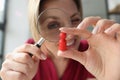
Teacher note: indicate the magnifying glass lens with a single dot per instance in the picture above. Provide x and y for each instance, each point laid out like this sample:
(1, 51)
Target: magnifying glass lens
(49, 22)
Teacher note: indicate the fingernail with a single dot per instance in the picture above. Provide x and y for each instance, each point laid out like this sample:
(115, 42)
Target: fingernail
(95, 30)
(43, 57)
(59, 53)
(63, 29)
(80, 26)
(60, 28)
(108, 30)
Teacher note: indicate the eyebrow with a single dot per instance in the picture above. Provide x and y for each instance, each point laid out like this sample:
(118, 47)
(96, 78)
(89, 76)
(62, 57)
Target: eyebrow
(53, 17)
(50, 17)
(75, 14)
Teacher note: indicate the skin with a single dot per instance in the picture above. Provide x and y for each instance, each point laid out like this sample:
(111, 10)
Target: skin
(103, 56)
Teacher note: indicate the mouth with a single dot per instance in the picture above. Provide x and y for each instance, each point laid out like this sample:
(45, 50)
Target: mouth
(70, 43)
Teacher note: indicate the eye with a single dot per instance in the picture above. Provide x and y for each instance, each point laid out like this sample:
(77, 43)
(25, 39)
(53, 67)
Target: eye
(53, 25)
(75, 21)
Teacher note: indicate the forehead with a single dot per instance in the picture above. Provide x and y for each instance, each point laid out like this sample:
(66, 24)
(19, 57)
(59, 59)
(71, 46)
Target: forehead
(68, 6)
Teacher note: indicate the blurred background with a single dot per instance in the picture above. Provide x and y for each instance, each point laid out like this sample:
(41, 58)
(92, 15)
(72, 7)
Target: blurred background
(14, 25)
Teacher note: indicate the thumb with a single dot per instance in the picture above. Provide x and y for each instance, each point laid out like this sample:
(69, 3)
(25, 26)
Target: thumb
(73, 54)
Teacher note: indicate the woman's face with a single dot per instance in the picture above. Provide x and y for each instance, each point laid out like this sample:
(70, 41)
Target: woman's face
(70, 8)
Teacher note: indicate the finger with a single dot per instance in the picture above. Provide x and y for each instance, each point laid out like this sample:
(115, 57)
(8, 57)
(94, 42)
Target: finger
(15, 66)
(73, 54)
(28, 48)
(113, 30)
(12, 75)
(103, 24)
(21, 58)
(118, 36)
(74, 31)
(89, 21)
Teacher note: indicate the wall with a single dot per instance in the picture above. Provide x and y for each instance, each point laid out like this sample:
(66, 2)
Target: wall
(94, 8)
(17, 28)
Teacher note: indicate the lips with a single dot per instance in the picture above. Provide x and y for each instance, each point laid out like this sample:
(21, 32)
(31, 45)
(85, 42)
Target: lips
(70, 43)
(70, 40)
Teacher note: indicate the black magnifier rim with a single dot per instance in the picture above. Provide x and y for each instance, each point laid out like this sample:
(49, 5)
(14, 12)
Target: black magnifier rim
(39, 18)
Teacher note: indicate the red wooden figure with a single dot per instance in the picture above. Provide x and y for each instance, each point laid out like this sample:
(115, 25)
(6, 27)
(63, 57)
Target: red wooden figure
(62, 42)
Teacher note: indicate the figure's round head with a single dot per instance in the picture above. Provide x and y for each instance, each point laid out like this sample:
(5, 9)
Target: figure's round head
(65, 13)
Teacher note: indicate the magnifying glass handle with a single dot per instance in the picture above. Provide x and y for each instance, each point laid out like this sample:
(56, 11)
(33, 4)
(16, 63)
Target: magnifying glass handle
(38, 44)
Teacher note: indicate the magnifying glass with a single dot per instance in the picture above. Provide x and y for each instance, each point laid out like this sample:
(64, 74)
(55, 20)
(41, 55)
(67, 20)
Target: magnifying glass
(48, 24)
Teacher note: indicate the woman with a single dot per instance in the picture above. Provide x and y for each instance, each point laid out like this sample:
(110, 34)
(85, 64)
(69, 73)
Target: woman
(46, 64)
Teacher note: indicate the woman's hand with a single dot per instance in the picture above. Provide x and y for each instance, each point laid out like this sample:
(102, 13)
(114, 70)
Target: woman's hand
(103, 56)
(19, 65)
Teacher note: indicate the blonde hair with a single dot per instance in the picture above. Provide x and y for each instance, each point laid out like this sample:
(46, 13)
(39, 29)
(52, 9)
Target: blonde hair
(34, 11)
(33, 14)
